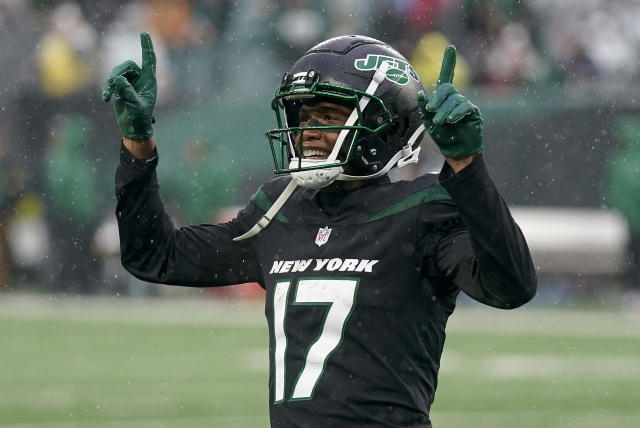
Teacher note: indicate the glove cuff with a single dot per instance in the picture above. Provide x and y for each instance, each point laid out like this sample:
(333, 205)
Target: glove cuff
(458, 153)
(138, 128)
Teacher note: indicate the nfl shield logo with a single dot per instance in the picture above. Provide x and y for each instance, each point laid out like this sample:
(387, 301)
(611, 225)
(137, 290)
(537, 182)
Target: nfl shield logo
(323, 236)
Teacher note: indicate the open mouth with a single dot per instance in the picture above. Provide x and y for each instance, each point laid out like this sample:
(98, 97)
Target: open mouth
(315, 154)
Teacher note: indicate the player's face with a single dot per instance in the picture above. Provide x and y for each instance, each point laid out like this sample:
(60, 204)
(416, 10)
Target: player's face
(318, 144)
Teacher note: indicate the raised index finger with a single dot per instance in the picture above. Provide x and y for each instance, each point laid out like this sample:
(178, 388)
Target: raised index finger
(448, 64)
(148, 54)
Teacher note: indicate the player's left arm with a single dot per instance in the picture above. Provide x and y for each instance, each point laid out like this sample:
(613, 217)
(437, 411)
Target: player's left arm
(487, 255)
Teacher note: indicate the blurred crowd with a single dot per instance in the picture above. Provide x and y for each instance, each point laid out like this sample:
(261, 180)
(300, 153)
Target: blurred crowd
(218, 64)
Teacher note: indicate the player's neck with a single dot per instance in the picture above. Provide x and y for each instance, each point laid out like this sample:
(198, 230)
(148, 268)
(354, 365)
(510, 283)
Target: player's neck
(343, 186)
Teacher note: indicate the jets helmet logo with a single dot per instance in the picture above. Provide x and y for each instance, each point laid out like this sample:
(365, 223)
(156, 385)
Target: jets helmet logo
(399, 71)
(323, 236)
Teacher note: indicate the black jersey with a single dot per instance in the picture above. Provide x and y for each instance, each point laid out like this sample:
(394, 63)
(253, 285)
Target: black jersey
(359, 284)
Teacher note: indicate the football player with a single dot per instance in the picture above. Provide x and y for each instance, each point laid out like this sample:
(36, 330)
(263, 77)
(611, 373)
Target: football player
(360, 273)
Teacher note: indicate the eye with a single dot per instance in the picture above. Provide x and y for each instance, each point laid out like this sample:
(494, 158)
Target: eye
(328, 118)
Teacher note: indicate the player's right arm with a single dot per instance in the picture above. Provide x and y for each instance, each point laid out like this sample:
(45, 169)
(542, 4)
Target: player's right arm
(154, 250)
(151, 247)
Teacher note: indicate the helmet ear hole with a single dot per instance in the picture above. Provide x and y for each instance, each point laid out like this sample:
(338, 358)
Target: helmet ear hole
(405, 127)
(390, 133)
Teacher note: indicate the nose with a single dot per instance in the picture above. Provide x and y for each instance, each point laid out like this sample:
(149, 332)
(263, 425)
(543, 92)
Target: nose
(311, 134)
(308, 135)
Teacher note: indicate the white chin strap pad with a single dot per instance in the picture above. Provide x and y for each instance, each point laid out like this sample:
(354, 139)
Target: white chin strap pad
(314, 178)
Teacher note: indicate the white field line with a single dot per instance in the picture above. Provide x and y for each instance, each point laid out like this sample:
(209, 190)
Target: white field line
(544, 322)
(596, 417)
(256, 360)
(509, 366)
(169, 422)
(197, 310)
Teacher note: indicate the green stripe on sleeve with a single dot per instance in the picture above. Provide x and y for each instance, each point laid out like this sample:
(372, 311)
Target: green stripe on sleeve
(418, 198)
(262, 201)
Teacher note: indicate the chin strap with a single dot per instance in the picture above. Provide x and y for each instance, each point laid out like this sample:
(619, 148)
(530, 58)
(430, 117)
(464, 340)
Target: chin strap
(410, 155)
(268, 216)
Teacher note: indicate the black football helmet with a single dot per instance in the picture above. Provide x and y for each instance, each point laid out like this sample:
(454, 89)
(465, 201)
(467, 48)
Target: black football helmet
(384, 129)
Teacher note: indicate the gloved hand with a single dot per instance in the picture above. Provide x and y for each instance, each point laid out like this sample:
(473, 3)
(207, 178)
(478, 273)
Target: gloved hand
(453, 122)
(135, 89)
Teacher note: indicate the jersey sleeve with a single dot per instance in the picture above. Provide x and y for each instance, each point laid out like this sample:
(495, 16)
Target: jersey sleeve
(154, 250)
(483, 251)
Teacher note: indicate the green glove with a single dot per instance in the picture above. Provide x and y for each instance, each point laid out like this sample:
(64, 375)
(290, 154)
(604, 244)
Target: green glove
(135, 89)
(453, 122)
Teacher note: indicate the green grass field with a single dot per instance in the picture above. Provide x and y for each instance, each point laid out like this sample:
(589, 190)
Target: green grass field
(195, 362)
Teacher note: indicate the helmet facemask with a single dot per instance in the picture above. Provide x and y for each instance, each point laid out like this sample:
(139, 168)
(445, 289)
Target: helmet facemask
(286, 140)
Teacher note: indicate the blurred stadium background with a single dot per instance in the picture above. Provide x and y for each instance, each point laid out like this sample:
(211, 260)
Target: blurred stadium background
(83, 343)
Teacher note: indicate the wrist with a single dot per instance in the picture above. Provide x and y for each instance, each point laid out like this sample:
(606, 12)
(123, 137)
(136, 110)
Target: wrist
(141, 149)
(457, 164)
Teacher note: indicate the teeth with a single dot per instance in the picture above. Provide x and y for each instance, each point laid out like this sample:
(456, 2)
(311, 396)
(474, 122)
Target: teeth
(315, 153)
